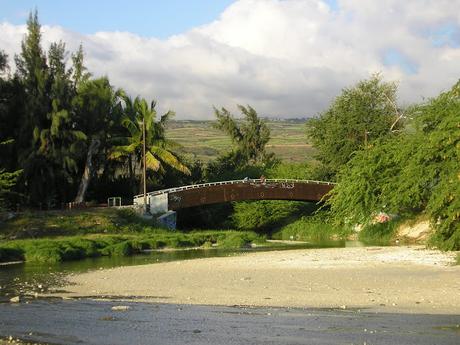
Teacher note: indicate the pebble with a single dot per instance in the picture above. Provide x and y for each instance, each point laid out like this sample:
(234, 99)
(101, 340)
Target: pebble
(15, 299)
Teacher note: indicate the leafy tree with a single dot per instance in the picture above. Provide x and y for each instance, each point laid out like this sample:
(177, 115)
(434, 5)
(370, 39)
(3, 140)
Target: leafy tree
(249, 136)
(98, 111)
(159, 150)
(3, 62)
(49, 140)
(409, 173)
(60, 139)
(440, 121)
(356, 118)
(11, 109)
(32, 71)
(248, 156)
(7, 179)
(265, 215)
(32, 74)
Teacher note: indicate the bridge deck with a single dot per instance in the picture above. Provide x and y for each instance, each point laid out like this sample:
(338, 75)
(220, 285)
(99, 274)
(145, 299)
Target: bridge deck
(236, 190)
(220, 183)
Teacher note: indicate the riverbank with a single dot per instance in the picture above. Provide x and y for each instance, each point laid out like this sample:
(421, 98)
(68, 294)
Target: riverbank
(389, 279)
(56, 236)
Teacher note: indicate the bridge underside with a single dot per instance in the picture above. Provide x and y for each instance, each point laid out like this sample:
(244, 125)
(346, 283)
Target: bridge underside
(247, 191)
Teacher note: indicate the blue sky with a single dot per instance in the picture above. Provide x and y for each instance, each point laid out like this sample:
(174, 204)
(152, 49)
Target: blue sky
(146, 18)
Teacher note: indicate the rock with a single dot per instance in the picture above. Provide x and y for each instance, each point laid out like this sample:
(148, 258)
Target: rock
(15, 299)
(121, 307)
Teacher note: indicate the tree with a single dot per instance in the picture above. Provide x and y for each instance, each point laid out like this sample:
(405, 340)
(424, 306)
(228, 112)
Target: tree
(159, 150)
(249, 136)
(48, 139)
(98, 108)
(409, 173)
(7, 179)
(356, 118)
(60, 140)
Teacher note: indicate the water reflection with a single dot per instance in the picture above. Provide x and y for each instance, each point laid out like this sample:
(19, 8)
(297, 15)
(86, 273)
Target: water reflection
(29, 278)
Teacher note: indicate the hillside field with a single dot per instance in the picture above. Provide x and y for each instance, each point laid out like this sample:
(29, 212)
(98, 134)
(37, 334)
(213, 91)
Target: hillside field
(199, 140)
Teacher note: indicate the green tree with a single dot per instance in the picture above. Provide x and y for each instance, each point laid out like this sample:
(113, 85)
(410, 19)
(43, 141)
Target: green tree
(412, 172)
(159, 149)
(60, 140)
(98, 110)
(48, 141)
(356, 118)
(249, 137)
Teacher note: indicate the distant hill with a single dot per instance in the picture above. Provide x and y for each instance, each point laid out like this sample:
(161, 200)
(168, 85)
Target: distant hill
(201, 141)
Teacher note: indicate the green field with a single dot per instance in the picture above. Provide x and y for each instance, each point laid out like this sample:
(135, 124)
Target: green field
(201, 141)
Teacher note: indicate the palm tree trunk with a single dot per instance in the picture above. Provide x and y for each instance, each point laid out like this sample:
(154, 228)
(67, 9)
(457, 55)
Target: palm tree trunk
(88, 172)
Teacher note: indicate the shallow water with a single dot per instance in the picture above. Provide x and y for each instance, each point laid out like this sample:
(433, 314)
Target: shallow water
(29, 278)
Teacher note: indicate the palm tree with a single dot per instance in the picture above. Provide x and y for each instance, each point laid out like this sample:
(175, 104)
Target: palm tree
(159, 150)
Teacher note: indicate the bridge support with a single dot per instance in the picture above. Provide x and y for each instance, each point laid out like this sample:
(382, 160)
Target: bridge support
(158, 203)
(169, 219)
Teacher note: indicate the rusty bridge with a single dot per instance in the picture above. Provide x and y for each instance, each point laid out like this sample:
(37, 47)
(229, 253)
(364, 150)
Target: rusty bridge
(173, 199)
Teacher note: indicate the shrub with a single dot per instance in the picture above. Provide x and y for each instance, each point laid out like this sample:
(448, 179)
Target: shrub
(313, 228)
(11, 254)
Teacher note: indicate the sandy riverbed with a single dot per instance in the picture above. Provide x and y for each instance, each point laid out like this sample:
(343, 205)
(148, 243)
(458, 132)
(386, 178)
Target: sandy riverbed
(392, 279)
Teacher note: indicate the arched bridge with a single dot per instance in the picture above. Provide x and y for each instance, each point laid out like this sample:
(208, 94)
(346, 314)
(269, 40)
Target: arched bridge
(237, 190)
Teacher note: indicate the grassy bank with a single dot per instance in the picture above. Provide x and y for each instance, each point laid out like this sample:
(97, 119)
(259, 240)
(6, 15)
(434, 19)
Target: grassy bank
(309, 229)
(80, 247)
(62, 236)
(73, 223)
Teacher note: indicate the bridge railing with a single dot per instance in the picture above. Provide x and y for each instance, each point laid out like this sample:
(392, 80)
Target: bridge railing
(209, 184)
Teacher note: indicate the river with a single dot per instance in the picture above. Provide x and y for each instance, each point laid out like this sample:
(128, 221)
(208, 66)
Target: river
(31, 278)
(86, 321)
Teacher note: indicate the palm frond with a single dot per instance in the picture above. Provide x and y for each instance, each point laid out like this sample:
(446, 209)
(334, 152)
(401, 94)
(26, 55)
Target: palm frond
(170, 159)
(151, 162)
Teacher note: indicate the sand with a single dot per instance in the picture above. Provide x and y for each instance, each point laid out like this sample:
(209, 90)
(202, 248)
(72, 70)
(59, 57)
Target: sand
(384, 279)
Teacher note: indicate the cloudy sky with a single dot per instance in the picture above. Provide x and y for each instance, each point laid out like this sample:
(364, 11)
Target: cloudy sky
(286, 58)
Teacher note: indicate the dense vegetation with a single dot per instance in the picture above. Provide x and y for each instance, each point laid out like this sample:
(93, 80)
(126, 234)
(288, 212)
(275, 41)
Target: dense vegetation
(408, 172)
(403, 169)
(69, 137)
(66, 136)
(54, 236)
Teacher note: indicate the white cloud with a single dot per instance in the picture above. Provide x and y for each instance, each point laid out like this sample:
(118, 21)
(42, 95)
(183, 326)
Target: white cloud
(284, 57)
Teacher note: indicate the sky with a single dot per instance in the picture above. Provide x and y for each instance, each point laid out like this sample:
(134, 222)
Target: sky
(285, 58)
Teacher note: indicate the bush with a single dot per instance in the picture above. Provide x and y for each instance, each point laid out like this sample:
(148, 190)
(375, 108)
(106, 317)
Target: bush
(408, 173)
(314, 228)
(239, 240)
(48, 252)
(119, 249)
(264, 215)
(379, 233)
(11, 254)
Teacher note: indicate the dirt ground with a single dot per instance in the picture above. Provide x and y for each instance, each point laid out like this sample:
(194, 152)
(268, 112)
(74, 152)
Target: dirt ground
(407, 279)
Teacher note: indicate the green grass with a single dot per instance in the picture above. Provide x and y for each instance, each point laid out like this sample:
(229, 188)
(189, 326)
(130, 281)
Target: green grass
(379, 233)
(62, 236)
(198, 138)
(73, 223)
(79, 247)
(309, 229)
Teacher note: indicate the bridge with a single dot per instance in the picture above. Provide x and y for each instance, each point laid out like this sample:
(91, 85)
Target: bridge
(173, 199)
